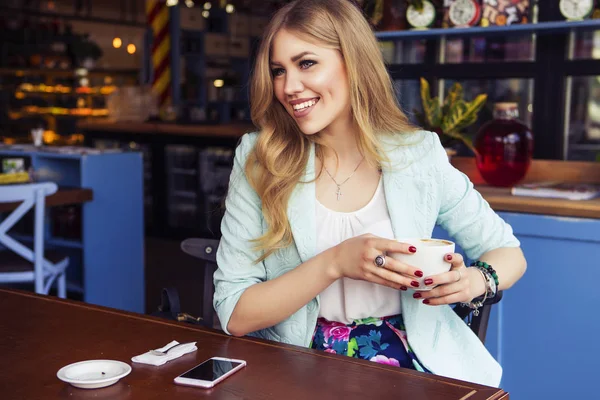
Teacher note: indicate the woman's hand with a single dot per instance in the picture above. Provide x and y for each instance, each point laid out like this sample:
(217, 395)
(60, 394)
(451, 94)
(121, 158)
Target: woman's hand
(460, 284)
(355, 259)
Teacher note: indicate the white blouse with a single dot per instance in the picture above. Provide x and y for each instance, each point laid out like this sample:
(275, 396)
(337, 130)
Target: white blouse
(347, 299)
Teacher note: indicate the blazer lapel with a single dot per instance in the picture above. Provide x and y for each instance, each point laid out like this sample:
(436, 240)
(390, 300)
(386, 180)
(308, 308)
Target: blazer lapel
(397, 197)
(301, 211)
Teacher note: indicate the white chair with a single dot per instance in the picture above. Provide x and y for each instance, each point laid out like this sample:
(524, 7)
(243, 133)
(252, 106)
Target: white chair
(21, 264)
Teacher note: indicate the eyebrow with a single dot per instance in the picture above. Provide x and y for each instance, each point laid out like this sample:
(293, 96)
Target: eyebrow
(295, 58)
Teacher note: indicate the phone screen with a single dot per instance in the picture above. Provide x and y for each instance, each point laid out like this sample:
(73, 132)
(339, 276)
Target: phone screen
(210, 370)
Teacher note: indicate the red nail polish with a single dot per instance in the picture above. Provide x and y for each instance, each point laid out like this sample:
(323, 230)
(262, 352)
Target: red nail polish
(412, 249)
(426, 301)
(403, 288)
(414, 284)
(419, 274)
(417, 295)
(428, 281)
(449, 257)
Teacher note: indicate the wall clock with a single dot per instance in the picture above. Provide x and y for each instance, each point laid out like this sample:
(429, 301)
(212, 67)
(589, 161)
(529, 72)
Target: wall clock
(423, 18)
(576, 9)
(464, 13)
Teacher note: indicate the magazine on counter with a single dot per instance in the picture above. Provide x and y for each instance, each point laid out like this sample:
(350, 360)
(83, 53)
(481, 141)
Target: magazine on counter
(559, 190)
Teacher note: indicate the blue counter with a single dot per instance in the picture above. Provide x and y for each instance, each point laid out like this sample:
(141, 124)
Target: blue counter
(107, 261)
(543, 331)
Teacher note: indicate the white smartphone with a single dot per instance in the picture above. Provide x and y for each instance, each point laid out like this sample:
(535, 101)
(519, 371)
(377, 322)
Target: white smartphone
(210, 372)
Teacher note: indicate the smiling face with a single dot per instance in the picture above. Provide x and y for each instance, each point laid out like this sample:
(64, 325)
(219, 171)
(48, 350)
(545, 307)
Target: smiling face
(310, 82)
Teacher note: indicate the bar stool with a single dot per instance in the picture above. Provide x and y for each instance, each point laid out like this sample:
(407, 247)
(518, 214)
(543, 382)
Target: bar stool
(19, 263)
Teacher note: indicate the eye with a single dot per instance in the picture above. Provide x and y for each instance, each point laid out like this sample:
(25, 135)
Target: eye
(305, 64)
(277, 72)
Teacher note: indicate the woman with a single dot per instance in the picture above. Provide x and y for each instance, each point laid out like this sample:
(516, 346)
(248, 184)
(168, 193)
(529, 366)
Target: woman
(318, 195)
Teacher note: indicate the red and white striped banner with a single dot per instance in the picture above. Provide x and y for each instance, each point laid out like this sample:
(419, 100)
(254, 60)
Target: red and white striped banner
(157, 14)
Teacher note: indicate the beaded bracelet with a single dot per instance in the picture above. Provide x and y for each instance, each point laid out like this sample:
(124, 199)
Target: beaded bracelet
(492, 271)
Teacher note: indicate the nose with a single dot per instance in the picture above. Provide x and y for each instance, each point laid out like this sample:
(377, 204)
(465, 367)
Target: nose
(293, 84)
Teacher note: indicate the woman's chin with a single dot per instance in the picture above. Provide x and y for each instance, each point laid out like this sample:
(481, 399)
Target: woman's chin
(309, 128)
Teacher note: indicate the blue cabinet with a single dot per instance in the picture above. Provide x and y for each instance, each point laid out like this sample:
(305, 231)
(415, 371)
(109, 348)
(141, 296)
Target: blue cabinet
(107, 255)
(543, 332)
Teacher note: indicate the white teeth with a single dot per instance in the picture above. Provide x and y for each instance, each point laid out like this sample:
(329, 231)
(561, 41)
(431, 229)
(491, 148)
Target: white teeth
(302, 106)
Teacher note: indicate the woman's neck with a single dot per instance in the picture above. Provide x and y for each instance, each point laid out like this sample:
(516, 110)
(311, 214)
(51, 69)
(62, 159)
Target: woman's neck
(340, 139)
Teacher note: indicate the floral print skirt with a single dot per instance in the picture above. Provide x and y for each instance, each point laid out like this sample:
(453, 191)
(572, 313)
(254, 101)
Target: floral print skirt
(382, 340)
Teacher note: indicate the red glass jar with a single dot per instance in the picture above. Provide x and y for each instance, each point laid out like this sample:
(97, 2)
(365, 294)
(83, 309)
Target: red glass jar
(504, 147)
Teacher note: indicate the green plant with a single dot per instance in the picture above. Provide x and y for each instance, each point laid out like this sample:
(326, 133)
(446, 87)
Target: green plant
(450, 118)
(418, 4)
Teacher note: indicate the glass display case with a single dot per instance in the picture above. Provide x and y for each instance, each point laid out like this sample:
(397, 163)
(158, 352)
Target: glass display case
(197, 182)
(549, 67)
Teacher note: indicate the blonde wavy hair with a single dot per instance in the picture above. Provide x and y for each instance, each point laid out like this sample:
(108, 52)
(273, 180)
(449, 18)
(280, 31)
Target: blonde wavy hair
(280, 156)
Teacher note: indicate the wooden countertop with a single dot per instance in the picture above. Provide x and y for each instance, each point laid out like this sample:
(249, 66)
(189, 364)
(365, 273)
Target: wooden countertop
(161, 128)
(62, 197)
(501, 199)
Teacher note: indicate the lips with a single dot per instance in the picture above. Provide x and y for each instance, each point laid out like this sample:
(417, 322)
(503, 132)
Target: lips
(309, 105)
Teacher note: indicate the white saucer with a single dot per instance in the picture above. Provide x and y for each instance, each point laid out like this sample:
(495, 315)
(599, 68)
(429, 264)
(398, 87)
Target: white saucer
(93, 374)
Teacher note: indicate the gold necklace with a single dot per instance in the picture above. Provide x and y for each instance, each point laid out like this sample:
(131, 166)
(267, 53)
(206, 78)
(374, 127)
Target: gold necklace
(339, 185)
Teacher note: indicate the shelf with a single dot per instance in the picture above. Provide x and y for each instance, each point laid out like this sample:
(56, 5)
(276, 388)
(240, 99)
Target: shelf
(69, 73)
(62, 197)
(520, 29)
(53, 152)
(29, 12)
(16, 115)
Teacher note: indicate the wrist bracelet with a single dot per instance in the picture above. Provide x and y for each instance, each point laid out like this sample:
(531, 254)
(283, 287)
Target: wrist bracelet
(488, 267)
(475, 304)
(491, 286)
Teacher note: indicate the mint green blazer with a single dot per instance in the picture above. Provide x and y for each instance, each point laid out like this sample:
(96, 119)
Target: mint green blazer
(422, 189)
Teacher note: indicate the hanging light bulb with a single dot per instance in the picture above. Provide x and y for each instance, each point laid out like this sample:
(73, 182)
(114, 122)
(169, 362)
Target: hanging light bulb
(172, 3)
(131, 48)
(207, 5)
(189, 3)
(206, 14)
(218, 83)
(117, 42)
(229, 8)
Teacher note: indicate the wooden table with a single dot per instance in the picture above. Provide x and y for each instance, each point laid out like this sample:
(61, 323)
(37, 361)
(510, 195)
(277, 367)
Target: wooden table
(41, 334)
(62, 196)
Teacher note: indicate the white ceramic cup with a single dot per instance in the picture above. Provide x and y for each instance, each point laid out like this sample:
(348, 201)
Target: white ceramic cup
(429, 258)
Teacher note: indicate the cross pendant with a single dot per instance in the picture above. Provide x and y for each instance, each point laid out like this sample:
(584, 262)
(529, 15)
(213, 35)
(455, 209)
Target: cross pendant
(339, 193)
